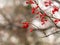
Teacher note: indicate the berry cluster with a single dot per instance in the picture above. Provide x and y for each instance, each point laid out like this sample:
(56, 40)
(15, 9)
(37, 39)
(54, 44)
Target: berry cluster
(41, 13)
(42, 16)
(55, 9)
(25, 25)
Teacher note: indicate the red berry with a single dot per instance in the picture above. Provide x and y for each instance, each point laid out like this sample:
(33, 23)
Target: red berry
(47, 3)
(33, 10)
(56, 21)
(25, 24)
(29, 2)
(31, 30)
(55, 9)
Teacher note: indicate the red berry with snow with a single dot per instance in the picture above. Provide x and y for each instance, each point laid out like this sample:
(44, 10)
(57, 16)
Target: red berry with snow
(55, 9)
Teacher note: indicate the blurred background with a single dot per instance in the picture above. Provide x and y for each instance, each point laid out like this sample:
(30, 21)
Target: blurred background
(13, 13)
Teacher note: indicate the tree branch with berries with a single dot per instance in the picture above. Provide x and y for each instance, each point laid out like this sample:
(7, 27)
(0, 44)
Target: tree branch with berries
(37, 10)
